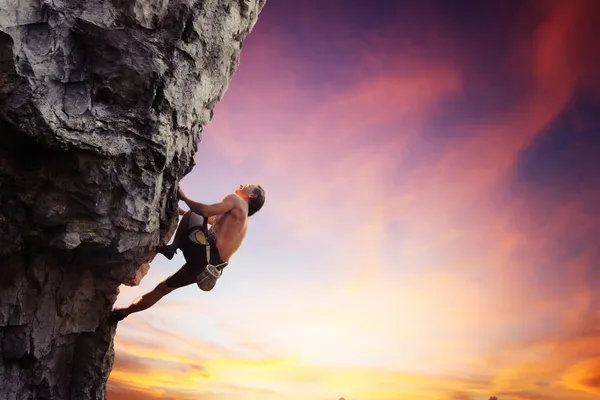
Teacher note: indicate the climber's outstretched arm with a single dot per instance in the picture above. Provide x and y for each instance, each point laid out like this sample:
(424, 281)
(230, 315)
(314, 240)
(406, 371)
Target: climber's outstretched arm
(209, 210)
(182, 212)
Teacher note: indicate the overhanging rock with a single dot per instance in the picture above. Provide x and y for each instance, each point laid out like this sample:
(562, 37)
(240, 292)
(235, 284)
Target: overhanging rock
(102, 106)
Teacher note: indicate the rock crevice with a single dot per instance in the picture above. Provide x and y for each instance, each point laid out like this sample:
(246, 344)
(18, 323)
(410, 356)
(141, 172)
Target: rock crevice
(102, 107)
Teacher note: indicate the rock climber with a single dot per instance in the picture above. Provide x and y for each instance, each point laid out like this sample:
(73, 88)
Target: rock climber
(206, 251)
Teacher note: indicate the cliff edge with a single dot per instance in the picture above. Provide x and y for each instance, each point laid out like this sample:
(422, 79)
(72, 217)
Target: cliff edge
(102, 106)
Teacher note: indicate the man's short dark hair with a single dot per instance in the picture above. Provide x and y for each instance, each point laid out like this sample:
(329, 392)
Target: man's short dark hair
(256, 203)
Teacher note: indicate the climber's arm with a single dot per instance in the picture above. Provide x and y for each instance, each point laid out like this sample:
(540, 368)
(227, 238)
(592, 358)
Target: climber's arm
(210, 210)
(211, 220)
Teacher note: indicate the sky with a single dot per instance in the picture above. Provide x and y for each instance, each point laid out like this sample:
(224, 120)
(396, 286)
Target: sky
(431, 227)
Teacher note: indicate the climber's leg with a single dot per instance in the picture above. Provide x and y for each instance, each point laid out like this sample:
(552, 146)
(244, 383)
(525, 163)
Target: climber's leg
(149, 299)
(182, 230)
(142, 303)
(186, 275)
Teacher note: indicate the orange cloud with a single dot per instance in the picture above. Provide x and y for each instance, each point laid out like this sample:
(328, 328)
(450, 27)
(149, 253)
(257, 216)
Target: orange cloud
(553, 368)
(584, 376)
(116, 392)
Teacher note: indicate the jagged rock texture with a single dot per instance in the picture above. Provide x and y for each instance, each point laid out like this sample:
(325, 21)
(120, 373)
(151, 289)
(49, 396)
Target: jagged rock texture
(102, 106)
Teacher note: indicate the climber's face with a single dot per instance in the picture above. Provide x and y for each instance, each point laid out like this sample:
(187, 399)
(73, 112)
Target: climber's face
(246, 191)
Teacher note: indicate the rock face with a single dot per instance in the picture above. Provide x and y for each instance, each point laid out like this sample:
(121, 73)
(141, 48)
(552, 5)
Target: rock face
(102, 106)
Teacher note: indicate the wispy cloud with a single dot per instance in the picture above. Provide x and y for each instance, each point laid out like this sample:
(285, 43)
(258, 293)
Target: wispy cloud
(509, 376)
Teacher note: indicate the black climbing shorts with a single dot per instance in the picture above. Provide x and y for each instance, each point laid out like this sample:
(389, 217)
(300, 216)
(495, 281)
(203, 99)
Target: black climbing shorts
(195, 257)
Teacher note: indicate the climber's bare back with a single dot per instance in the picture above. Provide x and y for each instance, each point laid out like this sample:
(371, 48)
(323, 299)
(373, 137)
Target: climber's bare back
(231, 227)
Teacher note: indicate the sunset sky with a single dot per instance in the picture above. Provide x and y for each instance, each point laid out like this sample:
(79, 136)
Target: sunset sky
(431, 228)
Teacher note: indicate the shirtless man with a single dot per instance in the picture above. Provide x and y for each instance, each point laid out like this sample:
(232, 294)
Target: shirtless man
(229, 223)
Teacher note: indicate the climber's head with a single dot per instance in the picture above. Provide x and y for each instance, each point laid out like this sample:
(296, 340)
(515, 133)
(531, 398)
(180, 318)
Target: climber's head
(254, 195)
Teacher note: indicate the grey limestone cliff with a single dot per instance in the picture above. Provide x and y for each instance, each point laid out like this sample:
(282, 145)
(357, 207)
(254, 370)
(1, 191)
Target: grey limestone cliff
(102, 107)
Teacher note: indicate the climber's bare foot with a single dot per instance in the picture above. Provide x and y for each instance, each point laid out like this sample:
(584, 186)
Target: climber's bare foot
(118, 314)
(166, 251)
